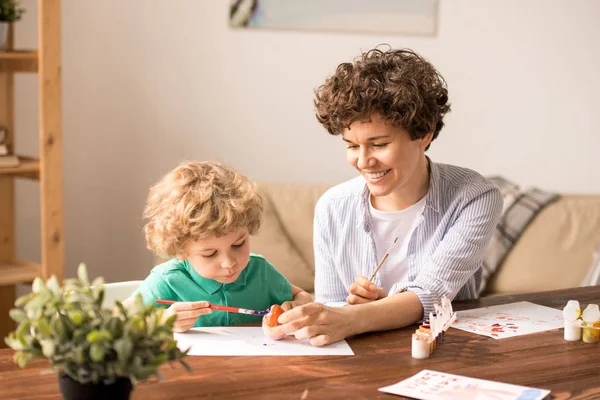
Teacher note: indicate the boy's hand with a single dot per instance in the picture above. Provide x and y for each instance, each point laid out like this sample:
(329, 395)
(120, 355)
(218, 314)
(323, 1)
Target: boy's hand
(187, 313)
(299, 297)
(364, 291)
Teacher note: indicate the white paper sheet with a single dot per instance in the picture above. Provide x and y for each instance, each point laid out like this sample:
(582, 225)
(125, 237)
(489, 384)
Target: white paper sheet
(251, 341)
(431, 385)
(509, 320)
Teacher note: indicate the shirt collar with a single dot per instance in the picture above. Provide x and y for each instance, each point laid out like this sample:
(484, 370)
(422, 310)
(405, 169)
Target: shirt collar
(433, 194)
(210, 285)
(432, 197)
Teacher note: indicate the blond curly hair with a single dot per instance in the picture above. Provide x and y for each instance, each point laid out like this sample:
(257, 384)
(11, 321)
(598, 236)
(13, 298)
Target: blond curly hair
(197, 200)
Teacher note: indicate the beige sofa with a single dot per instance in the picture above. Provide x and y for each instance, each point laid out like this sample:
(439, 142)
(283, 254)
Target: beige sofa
(554, 252)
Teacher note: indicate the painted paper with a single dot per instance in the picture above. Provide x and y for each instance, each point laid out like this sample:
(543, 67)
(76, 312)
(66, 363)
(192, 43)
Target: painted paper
(251, 341)
(509, 320)
(431, 385)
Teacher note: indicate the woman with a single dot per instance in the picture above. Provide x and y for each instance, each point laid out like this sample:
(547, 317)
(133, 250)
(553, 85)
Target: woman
(388, 106)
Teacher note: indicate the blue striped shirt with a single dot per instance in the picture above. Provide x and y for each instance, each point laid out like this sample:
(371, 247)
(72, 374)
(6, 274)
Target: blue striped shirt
(445, 250)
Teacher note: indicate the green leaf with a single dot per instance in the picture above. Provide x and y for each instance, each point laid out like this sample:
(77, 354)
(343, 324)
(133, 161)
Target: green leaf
(17, 315)
(76, 316)
(21, 301)
(144, 372)
(97, 352)
(53, 285)
(22, 358)
(123, 347)
(43, 327)
(186, 366)
(22, 328)
(115, 326)
(83, 275)
(159, 360)
(12, 342)
(36, 287)
(58, 327)
(98, 291)
(79, 355)
(94, 336)
(48, 348)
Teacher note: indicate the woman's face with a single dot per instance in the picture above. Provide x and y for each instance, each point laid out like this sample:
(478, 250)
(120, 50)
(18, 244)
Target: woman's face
(392, 164)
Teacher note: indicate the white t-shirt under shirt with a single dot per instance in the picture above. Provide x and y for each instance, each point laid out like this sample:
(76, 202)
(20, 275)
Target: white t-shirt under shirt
(386, 227)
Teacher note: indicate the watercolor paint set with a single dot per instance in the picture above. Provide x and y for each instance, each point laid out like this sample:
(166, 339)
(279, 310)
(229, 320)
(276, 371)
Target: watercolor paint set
(426, 337)
(579, 325)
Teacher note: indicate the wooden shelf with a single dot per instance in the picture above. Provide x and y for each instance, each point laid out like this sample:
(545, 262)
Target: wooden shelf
(19, 272)
(29, 167)
(47, 168)
(19, 61)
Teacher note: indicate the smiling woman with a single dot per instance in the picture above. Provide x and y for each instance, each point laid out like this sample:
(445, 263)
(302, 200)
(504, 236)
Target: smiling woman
(389, 106)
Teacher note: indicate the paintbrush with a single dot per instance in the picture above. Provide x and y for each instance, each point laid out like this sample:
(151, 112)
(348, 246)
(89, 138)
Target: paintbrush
(225, 308)
(385, 256)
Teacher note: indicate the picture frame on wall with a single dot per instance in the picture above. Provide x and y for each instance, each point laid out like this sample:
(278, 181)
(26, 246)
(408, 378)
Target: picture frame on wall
(400, 17)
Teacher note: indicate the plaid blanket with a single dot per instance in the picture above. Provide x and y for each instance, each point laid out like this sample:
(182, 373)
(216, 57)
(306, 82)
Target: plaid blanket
(519, 209)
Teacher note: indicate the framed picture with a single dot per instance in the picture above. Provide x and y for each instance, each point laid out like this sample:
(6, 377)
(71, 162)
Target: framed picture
(402, 17)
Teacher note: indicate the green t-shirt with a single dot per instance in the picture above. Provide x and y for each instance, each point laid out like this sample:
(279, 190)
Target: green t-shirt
(258, 287)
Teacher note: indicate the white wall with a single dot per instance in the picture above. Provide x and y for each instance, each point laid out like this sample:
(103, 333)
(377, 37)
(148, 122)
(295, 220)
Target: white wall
(147, 83)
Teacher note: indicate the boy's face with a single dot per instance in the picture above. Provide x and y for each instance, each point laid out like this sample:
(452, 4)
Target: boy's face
(220, 258)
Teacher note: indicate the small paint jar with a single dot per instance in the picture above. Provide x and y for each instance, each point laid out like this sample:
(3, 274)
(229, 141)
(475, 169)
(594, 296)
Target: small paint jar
(420, 346)
(572, 331)
(426, 329)
(591, 335)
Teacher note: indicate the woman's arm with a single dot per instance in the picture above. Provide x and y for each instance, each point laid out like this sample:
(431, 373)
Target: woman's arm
(460, 253)
(325, 325)
(328, 286)
(457, 258)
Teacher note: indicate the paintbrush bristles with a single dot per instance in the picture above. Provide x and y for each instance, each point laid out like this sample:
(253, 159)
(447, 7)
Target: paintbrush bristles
(385, 256)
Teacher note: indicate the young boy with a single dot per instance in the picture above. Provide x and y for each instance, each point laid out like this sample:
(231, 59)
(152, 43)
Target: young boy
(201, 215)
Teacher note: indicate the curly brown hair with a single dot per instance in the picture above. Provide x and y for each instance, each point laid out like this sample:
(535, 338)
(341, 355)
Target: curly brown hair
(197, 200)
(399, 85)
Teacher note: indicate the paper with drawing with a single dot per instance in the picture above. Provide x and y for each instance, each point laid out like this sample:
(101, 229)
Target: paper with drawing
(431, 385)
(251, 341)
(509, 320)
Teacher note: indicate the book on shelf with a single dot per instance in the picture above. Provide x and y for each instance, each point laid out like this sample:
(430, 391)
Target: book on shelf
(9, 161)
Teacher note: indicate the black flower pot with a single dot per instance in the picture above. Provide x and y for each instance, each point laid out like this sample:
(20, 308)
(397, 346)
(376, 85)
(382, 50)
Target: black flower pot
(72, 390)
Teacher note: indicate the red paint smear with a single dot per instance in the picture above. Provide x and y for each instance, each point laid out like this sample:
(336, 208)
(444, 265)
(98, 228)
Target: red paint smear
(497, 330)
(496, 325)
(494, 334)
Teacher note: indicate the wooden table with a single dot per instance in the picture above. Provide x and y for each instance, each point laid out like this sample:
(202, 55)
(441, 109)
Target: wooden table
(543, 360)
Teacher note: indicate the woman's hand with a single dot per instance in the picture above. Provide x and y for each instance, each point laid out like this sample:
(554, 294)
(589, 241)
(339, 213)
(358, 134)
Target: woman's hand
(321, 324)
(364, 291)
(187, 313)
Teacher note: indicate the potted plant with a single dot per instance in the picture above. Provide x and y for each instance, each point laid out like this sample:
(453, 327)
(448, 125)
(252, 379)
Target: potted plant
(97, 352)
(10, 11)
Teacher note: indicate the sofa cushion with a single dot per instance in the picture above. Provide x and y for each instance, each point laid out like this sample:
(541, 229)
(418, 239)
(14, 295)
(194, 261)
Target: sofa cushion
(285, 236)
(522, 208)
(555, 251)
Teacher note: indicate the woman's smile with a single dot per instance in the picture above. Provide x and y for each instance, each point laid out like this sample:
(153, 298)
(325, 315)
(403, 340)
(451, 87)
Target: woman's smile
(375, 176)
